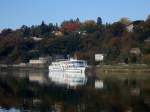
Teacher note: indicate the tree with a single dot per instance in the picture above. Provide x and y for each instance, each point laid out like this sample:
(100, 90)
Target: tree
(125, 21)
(90, 26)
(148, 18)
(78, 20)
(99, 21)
(117, 29)
(70, 26)
(26, 31)
(146, 59)
(44, 28)
(5, 32)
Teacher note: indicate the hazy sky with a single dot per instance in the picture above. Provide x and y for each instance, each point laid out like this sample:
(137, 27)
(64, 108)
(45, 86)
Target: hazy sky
(14, 13)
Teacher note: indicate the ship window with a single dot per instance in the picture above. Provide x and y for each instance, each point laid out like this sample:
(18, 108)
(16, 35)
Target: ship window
(79, 64)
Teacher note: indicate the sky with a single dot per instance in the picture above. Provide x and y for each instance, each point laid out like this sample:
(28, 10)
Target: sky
(15, 13)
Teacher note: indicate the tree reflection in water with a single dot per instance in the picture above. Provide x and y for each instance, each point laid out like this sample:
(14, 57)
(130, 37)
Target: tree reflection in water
(117, 95)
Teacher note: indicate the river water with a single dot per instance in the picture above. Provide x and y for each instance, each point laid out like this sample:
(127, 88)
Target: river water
(41, 91)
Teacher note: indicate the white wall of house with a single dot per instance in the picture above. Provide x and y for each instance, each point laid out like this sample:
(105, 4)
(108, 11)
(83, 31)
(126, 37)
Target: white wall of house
(36, 62)
(99, 57)
(41, 60)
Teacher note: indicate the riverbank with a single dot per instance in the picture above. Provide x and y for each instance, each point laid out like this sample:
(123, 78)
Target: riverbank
(24, 66)
(125, 69)
(99, 69)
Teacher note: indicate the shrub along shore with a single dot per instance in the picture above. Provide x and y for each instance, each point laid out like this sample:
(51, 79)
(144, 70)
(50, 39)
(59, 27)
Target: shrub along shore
(133, 68)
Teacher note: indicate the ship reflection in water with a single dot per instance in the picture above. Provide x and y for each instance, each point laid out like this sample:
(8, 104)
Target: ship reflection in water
(69, 79)
(42, 91)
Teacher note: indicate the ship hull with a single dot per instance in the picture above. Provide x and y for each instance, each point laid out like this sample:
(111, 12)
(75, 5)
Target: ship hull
(68, 70)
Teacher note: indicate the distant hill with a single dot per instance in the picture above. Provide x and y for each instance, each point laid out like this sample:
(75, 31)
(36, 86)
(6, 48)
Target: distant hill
(82, 39)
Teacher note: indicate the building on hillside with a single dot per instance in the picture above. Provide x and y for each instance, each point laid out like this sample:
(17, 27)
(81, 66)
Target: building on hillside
(41, 60)
(130, 27)
(36, 38)
(135, 51)
(99, 57)
(58, 33)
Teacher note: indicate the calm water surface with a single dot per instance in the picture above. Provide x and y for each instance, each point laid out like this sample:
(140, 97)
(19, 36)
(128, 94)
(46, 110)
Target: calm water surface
(39, 90)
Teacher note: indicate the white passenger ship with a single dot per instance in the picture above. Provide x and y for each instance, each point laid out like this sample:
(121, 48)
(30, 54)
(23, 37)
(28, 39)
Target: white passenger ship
(71, 66)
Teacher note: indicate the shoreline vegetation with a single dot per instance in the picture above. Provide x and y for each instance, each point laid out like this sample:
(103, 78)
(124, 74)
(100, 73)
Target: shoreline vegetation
(98, 69)
(123, 69)
(25, 66)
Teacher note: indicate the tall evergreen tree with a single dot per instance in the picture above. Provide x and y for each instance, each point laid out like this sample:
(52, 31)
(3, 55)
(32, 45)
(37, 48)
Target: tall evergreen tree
(99, 21)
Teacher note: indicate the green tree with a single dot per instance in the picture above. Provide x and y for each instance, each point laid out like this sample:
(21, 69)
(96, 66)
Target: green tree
(125, 21)
(99, 21)
(90, 26)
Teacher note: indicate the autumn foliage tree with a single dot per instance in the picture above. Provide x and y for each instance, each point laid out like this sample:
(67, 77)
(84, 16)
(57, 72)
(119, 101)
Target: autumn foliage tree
(84, 38)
